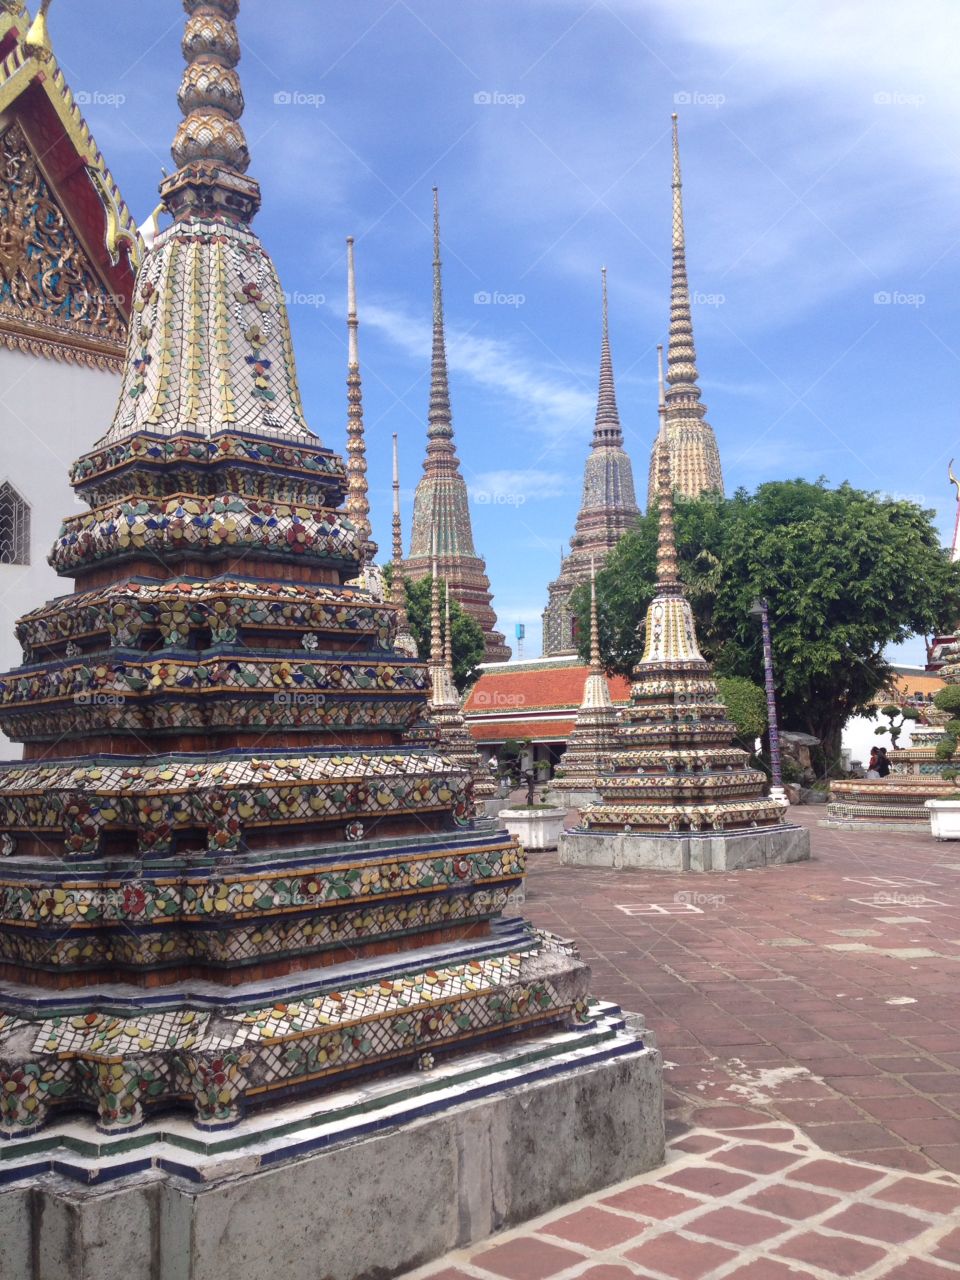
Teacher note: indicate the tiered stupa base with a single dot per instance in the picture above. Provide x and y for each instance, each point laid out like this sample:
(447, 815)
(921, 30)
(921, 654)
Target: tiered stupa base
(738, 850)
(880, 803)
(401, 1168)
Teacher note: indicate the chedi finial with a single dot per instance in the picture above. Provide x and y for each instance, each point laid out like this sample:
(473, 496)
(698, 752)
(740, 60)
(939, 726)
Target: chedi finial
(210, 148)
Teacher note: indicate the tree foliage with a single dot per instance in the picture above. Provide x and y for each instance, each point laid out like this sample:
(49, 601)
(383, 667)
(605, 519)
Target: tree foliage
(746, 705)
(468, 646)
(845, 572)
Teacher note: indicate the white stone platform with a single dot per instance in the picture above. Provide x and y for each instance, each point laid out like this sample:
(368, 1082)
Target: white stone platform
(686, 851)
(366, 1182)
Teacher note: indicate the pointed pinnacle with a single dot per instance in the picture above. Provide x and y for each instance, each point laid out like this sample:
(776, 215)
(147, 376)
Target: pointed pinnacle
(595, 664)
(607, 428)
(439, 416)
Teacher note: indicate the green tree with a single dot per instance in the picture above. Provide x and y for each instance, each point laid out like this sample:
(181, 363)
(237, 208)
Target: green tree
(467, 633)
(746, 704)
(845, 572)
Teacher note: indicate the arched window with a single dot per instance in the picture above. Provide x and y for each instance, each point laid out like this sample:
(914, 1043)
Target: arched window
(14, 527)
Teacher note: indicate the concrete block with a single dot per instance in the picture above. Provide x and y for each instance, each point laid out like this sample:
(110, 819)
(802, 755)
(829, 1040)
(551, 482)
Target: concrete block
(707, 851)
(16, 1212)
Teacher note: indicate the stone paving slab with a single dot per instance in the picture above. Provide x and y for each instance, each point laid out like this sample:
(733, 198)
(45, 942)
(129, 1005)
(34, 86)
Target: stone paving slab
(809, 1018)
(754, 1208)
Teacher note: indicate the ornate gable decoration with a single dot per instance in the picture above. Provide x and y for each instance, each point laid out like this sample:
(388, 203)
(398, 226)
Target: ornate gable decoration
(52, 301)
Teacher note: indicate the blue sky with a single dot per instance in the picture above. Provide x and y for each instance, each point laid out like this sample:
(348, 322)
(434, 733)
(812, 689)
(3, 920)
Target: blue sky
(821, 158)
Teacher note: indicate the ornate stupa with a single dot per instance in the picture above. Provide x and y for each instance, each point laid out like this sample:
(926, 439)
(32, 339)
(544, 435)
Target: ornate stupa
(678, 794)
(608, 505)
(594, 734)
(228, 881)
(440, 505)
(694, 456)
(453, 737)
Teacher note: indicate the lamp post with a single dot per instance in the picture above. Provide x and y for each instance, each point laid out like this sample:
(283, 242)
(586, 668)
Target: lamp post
(761, 610)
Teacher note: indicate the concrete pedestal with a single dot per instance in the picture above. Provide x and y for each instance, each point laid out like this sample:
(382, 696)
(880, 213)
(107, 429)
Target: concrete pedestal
(686, 851)
(443, 1159)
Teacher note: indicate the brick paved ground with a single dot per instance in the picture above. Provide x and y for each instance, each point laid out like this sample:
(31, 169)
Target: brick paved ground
(809, 1018)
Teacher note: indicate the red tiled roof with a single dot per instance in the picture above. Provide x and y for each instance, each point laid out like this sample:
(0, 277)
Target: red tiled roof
(499, 730)
(553, 688)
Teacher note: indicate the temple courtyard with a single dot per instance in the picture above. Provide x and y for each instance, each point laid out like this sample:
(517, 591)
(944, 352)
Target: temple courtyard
(809, 1019)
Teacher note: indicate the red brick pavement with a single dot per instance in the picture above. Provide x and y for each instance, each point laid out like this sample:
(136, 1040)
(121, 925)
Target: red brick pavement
(809, 1018)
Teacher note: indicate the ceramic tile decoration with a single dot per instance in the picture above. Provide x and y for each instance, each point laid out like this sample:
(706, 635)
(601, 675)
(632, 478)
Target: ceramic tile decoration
(231, 872)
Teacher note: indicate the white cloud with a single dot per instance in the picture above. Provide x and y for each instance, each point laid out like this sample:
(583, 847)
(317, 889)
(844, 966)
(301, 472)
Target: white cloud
(545, 402)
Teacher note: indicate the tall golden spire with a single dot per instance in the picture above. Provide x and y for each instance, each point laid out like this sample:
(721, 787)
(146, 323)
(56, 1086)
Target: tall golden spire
(439, 417)
(595, 664)
(210, 148)
(436, 637)
(661, 398)
(403, 641)
(607, 429)
(357, 504)
(668, 579)
(447, 633)
(695, 459)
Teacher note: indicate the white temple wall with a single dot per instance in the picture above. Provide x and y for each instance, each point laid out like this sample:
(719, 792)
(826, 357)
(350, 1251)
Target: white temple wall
(50, 413)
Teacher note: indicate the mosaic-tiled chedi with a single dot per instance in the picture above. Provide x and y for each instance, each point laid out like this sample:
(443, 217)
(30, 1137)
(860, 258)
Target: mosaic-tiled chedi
(675, 768)
(694, 456)
(441, 512)
(594, 734)
(228, 877)
(608, 506)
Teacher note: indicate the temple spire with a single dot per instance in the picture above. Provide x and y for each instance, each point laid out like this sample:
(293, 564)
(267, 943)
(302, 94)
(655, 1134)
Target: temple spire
(668, 579)
(695, 459)
(357, 503)
(595, 665)
(404, 641)
(607, 428)
(210, 148)
(681, 355)
(436, 638)
(439, 417)
(661, 398)
(447, 633)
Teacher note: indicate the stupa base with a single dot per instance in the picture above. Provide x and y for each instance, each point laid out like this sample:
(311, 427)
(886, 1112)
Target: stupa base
(574, 797)
(688, 850)
(368, 1181)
